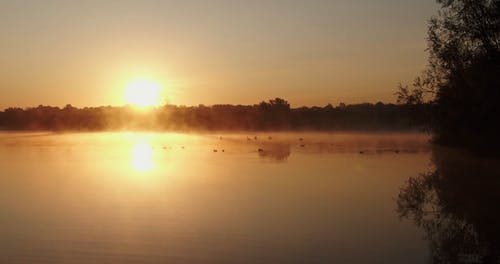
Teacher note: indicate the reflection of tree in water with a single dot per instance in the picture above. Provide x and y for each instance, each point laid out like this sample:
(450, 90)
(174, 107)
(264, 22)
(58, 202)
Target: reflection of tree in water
(457, 207)
(276, 151)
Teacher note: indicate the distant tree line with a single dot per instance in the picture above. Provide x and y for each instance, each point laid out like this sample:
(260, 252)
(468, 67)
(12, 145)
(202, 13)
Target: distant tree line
(274, 114)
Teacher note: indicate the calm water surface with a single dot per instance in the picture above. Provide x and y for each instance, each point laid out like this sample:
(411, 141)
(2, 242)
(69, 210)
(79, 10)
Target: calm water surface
(208, 198)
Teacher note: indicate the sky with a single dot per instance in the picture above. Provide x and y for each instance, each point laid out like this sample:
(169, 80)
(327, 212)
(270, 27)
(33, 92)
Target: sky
(86, 53)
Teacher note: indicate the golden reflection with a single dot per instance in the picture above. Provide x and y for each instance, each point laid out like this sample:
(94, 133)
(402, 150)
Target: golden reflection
(142, 157)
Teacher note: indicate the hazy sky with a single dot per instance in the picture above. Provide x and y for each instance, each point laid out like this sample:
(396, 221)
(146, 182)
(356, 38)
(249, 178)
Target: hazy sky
(241, 52)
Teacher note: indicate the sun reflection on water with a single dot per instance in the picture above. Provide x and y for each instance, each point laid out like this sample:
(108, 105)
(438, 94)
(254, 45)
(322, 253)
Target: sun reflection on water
(142, 157)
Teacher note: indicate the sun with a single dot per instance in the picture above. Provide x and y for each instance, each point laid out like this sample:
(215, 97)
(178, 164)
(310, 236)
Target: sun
(143, 93)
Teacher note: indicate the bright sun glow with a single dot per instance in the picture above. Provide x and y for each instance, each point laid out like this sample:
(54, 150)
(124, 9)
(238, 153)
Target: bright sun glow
(143, 93)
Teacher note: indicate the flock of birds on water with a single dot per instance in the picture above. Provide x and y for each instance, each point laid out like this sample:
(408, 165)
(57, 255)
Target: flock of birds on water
(300, 139)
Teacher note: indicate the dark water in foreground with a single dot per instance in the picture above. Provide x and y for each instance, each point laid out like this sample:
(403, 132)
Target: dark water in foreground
(192, 198)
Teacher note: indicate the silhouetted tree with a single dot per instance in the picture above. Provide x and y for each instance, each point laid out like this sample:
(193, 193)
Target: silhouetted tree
(274, 114)
(462, 81)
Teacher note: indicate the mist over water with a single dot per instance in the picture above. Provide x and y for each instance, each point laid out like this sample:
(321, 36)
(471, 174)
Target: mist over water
(198, 198)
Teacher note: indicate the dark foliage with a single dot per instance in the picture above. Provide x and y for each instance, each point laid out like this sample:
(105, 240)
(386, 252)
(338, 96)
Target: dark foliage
(275, 114)
(462, 81)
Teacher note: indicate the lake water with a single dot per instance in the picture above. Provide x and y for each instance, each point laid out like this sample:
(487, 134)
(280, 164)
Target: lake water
(208, 198)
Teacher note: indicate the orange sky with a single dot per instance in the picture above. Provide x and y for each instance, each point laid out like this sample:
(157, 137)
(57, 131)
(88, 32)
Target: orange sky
(309, 52)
